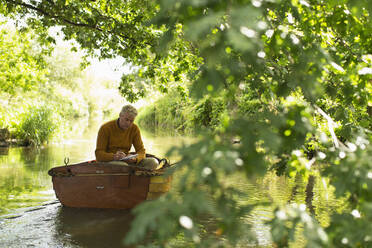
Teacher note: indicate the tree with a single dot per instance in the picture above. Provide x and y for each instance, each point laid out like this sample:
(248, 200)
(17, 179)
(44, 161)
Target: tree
(307, 64)
(109, 29)
(19, 63)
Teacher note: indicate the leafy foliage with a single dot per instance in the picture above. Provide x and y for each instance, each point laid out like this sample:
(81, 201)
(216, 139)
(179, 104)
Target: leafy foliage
(37, 126)
(174, 113)
(296, 215)
(304, 67)
(166, 114)
(289, 55)
(21, 69)
(115, 28)
(207, 112)
(40, 88)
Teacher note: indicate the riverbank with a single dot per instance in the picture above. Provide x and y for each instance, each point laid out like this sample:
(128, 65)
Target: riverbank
(182, 116)
(6, 141)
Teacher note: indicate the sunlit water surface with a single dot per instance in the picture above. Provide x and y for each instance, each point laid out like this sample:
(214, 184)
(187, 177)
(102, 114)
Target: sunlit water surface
(31, 216)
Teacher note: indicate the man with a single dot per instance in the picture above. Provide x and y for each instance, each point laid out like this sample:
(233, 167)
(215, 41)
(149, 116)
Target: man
(115, 139)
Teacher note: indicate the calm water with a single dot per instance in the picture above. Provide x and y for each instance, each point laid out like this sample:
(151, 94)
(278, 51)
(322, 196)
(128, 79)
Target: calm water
(31, 216)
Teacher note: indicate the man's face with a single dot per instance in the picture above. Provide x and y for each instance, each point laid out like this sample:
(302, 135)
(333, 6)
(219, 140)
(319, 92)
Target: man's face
(126, 120)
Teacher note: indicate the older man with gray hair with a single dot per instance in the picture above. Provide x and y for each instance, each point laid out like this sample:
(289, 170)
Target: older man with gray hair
(115, 139)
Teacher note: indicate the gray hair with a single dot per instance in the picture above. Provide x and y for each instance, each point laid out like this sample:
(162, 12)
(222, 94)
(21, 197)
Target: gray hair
(129, 109)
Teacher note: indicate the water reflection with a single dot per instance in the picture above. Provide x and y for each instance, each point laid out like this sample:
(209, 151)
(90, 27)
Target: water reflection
(24, 180)
(51, 225)
(91, 227)
(4, 151)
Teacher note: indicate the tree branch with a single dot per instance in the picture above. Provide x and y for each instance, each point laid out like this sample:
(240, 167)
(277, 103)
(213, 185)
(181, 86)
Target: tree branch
(56, 17)
(65, 20)
(331, 124)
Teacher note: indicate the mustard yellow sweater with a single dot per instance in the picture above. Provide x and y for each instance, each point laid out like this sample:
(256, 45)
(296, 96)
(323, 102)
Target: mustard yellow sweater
(111, 138)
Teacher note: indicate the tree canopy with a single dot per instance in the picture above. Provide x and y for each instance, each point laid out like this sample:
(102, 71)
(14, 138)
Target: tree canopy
(19, 71)
(306, 65)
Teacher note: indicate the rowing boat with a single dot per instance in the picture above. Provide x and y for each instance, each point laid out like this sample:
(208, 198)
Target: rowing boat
(95, 184)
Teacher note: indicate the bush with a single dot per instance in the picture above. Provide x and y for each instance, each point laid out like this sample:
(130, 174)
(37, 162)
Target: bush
(207, 112)
(166, 114)
(147, 118)
(172, 113)
(36, 126)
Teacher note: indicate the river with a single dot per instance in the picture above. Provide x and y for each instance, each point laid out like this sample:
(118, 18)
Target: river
(31, 216)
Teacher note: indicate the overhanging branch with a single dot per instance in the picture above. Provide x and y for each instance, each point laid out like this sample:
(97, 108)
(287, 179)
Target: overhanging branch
(62, 19)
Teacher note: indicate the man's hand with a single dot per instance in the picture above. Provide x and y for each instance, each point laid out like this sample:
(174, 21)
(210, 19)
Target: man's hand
(132, 160)
(119, 155)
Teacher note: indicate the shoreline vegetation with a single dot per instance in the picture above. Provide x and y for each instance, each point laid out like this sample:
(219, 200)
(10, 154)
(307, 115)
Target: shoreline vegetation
(175, 115)
(45, 87)
(167, 115)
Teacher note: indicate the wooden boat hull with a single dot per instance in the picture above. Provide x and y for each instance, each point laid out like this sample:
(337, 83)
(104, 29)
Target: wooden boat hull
(105, 185)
